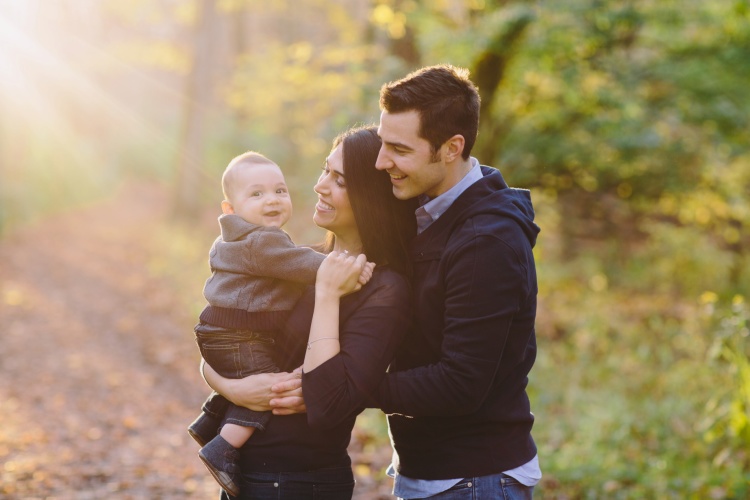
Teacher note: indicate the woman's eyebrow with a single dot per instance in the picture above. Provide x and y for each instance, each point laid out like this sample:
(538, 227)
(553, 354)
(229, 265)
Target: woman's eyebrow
(340, 174)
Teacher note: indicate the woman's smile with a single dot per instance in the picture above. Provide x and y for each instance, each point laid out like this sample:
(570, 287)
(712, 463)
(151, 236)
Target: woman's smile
(323, 206)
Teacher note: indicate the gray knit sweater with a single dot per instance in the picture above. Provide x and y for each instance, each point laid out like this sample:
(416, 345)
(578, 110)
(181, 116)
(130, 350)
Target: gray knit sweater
(257, 275)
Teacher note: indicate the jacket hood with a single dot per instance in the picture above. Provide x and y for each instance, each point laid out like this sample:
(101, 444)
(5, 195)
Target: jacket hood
(234, 228)
(491, 195)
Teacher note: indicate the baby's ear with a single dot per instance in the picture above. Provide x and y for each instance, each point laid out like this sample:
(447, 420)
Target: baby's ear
(226, 207)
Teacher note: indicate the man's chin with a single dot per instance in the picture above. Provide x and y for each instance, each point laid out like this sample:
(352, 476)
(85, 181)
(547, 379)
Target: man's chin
(401, 194)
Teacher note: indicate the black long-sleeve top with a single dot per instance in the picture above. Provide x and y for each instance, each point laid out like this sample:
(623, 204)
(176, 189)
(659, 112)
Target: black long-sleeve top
(373, 322)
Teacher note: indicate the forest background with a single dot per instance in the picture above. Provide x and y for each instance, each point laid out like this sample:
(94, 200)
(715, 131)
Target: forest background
(629, 121)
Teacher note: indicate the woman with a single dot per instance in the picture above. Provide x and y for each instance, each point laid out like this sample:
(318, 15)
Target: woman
(303, 455)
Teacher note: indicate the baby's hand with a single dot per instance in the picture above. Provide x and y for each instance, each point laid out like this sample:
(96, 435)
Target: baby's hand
(366, 274)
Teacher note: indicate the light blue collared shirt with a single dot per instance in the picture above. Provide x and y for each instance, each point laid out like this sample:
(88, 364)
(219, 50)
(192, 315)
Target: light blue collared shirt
(527, 474)
(431, 209)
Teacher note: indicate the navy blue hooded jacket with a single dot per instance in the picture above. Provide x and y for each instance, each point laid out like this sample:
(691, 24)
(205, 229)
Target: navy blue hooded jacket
(456, 391)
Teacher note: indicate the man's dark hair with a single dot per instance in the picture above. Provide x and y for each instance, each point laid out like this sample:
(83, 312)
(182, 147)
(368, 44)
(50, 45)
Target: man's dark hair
(446, 100)
(386, 224)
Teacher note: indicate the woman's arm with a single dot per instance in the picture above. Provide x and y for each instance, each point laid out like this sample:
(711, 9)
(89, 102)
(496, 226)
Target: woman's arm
(256, 392)
(375, 325)
(337, 276)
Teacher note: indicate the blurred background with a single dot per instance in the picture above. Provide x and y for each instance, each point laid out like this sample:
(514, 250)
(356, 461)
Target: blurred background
(628, 120)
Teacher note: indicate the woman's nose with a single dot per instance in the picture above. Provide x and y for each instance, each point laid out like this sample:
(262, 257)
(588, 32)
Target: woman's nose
(319, 186)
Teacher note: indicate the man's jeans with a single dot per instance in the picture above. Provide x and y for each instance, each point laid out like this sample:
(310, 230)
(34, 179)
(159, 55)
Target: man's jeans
(493, 487)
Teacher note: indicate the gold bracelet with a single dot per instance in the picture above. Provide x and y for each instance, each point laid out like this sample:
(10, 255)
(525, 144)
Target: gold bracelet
(309, 344)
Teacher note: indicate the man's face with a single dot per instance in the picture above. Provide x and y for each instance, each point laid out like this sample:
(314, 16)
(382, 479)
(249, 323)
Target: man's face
(408, 158)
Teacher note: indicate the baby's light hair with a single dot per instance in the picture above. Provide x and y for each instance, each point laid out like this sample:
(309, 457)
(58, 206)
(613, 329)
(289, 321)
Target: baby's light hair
(246, 158)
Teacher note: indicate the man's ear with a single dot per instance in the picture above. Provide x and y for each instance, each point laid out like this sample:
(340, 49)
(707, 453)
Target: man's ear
(226, 207)
(454, 147)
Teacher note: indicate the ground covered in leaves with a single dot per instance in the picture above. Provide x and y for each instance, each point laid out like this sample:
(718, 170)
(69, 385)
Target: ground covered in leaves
(99, 370)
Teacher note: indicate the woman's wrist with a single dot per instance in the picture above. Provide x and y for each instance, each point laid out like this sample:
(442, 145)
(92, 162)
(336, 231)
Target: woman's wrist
(325, 294)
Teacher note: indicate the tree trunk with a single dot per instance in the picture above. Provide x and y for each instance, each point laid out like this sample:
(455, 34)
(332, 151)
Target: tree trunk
(6, 157)
(186, 196)
(488, 73)
(405, 47)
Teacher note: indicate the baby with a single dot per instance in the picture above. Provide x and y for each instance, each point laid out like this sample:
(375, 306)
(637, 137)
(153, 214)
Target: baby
(258, 274)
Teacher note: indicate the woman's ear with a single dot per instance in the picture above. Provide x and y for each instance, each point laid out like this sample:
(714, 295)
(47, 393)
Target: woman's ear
(454, 147)
(226, 207)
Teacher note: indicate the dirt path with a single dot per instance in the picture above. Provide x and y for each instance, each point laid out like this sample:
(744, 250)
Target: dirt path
(99, 373)
(98, 376)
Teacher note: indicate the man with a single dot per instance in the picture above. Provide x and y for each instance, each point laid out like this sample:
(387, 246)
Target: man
(455, 396)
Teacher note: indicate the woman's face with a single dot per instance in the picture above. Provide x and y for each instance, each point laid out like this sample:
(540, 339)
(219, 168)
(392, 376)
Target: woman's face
(333, 210)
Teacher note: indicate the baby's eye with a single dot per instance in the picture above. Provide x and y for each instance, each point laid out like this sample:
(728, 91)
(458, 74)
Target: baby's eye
(256, 193)
(281, 191)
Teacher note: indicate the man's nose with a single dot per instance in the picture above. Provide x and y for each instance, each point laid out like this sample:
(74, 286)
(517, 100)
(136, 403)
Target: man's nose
(382, 163)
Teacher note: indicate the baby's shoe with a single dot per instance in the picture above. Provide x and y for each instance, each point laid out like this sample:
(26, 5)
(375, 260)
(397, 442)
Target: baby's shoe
(221, 460)
(204, 428)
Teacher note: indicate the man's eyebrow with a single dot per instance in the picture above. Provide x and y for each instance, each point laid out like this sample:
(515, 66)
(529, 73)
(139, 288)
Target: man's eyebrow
(399, 145)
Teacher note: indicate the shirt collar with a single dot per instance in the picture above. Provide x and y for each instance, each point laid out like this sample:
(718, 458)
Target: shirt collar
(431, 209)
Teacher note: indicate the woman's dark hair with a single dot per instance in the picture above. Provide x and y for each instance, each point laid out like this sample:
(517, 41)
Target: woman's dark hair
(386, 224)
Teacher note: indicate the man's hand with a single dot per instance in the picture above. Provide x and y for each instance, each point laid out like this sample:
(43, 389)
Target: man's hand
(288, 398)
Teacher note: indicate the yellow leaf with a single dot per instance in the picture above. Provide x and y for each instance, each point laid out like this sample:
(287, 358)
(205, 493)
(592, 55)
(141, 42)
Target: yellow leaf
(362, 470)
(12, 297)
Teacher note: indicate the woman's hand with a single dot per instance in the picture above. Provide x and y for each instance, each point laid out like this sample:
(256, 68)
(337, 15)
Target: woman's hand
(366, 274)
(256, 391)
(339, 274)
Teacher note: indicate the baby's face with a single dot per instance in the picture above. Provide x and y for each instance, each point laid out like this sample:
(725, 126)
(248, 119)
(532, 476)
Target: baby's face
(260, 196)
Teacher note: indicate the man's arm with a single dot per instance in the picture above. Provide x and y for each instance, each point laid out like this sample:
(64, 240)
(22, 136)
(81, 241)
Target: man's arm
(486, 285)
